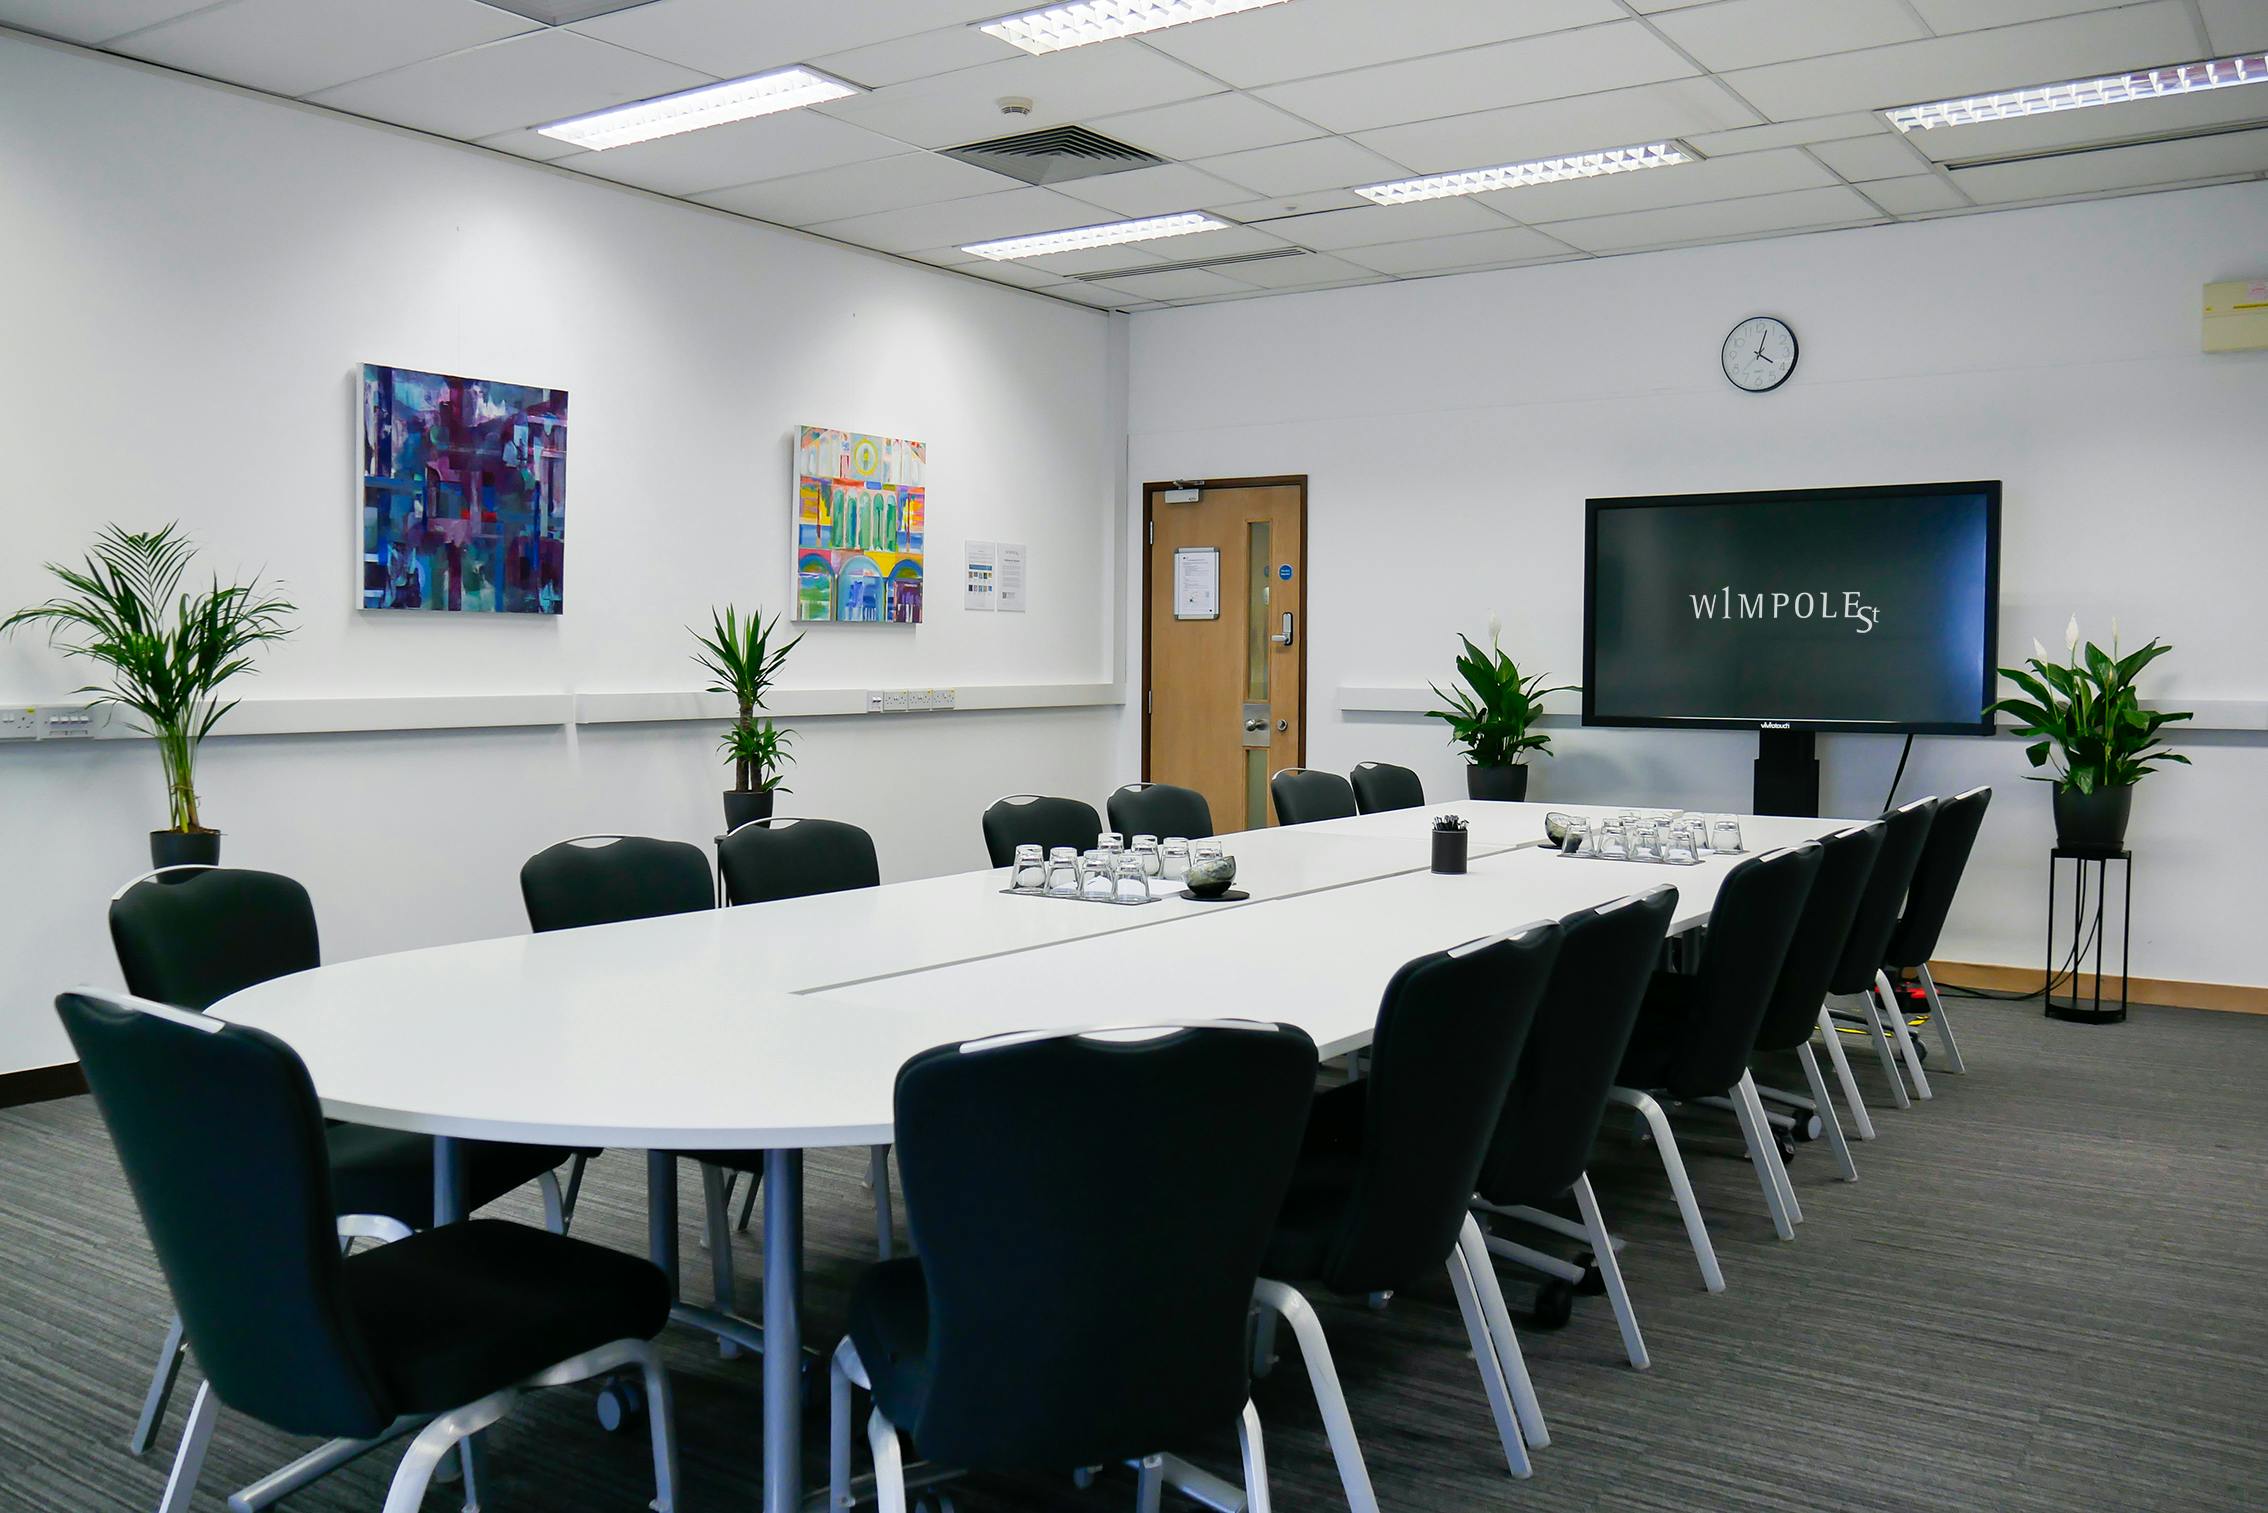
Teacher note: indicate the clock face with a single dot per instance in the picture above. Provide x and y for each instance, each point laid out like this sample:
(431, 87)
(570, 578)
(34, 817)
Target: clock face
(1760, 353)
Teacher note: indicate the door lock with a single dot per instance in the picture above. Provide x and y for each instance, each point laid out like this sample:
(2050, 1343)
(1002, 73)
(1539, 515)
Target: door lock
(1286, 638)
(1256, 713)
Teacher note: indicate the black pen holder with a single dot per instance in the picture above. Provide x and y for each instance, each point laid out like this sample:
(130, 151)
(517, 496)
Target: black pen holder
(1449, 851)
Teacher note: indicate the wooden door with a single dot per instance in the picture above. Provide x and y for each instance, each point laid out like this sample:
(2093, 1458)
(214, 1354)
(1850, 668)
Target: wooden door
(1226, 686)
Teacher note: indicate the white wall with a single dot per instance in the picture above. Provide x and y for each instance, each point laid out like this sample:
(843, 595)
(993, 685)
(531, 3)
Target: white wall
(1452, 428)
(193, 277)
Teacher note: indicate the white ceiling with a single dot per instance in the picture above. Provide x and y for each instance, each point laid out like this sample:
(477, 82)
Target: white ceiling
(1269, 119)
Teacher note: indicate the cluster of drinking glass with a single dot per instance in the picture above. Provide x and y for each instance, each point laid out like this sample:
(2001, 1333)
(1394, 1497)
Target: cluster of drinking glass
(1114, 871)
(1678, 838)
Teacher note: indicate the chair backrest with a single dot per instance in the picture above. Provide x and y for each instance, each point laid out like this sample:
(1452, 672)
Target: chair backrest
(1091, 1215)
(778, 858)
(1937, 877)
(221, 1140)
(190, 936)
(1450, 1032)
(1382, 785)
(1159, 809)
(1304, 795)
(1846, 861)
(1551, 1117)
(1906, 830)
(604, 879)
(1759, 906)
(1032, 819)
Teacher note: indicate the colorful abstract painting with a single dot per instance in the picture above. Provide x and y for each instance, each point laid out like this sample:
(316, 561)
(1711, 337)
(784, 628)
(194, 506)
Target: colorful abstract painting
(859, 508)
(464, 494)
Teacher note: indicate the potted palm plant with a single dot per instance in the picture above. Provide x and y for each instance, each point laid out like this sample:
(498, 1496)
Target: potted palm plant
(2086, 722)
(168, 653)
(1493, 717)
(741, 661)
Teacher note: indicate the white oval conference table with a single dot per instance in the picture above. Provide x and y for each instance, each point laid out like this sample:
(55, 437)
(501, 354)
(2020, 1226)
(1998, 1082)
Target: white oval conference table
(781, 1027)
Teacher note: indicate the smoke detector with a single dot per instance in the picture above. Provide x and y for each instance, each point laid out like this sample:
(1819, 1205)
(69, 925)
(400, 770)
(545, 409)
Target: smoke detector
(1014, 105)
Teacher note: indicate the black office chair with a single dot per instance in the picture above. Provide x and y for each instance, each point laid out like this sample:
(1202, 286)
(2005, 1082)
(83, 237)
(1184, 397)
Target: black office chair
(1304, 795)
(1041, 1329)
(1379, 786)
(223, 1144)
(188, 937)
(784, 857)
(1799, 999)
(1542, 1145)
(1158, 809)
(1696, 1032)
(605, 879)
(1385, 1181)
(1858, 976)
(1929, 899)
(1032, 819)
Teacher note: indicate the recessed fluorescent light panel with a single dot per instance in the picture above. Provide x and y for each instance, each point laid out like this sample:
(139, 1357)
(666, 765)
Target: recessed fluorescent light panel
(1084, 21)
(2078, 94)
(1581, 165)
(1110, 234)
(693, 109)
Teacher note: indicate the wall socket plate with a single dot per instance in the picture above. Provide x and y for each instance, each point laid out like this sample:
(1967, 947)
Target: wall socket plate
(67, 722)
(19, 722)
(910, 700)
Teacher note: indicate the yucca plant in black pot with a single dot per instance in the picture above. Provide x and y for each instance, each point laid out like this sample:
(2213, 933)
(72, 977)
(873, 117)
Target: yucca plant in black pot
(168, 654)
(741, 661)
(1493, 717)
(2086, 721)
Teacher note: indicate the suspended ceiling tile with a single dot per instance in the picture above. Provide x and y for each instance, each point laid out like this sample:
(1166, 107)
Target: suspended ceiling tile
(1773, 134)
(1917, 195)
(1883, 156)
(1656, 188)
(522, 142)
(2236, 26)
(295, 47)
(1615, 56)
(2100, 124)
(921, 56)
(957, 108)
(1375, 225)
(857, 189)
(1313, 270)
(1298, 167)
(1296, 204)
(730, 37)
(1186, 283)
(1946, 16)
(1548, 128)
(1207, 127)
(1724, 220)
(91, 21)
(1164, 190)
(978, 218)
(1744, 33)
(2115, 169)
(527, 80)
(1478, 249)
(1310, 37)
(1097, 296)
(766, 147)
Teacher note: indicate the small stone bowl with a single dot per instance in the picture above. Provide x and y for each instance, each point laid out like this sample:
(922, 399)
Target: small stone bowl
(1209, 877)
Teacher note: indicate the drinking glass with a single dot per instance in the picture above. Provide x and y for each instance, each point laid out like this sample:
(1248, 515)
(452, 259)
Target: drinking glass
(1145, 847)
(1614, 840)
(1063, 871)
(1201, 849)
(1133, 880)
(1678, 845)
(1173, 858)
(1645, 841)
(1097, 875)
(1030, 874)
(1110, 842)
(1724, 834)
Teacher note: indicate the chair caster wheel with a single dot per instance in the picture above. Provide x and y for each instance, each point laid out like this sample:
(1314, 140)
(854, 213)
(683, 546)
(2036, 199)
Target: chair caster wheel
(1786, 1144)
(1555, 1304)
(1808, 1130)
(621, 1405)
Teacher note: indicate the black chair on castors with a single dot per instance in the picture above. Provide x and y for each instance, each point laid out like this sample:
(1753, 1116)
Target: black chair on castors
(1379, 786)
(1159, 809)
(442, 1332)
(188, 937)
(1382, 1195)
(1799, 998)
(1304, 795)
(1032, 819)
(1858, 976)
(1041, 1329)
(1542, 1144)
(1937, 877)
(1697, 1030)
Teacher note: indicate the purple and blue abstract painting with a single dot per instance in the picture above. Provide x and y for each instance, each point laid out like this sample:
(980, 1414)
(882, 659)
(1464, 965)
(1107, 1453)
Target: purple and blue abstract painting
(464, 493)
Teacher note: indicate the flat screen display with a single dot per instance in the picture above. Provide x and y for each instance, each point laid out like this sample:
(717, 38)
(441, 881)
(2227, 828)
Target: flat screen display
(1813, 609)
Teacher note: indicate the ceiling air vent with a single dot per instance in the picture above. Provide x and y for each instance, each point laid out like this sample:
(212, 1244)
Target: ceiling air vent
(1054, 156)
(1195, 262)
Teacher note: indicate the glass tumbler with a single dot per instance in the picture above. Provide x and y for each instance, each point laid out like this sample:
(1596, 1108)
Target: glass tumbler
(1173, 859)
(1724, 834)
(1208, 847)
(1678, 846)
(1063, 871)
(1614, 840)
(1145, 847)
(1133, 880)
(1030, 872)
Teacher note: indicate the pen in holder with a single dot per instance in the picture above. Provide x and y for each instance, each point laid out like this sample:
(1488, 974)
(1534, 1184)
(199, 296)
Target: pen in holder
(1450, 844)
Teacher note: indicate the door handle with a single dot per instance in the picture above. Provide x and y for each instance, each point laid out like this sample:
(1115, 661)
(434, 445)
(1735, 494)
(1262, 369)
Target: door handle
(1256, 725)
(1286, 638)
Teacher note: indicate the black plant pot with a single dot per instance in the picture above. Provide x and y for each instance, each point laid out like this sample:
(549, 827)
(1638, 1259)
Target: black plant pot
(2093, 822)
(740, 808)
(183, 848)
(1507, 784)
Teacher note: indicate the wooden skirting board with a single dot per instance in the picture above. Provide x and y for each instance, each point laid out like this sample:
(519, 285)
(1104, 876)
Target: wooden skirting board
(40, 1083)
(2234, 998)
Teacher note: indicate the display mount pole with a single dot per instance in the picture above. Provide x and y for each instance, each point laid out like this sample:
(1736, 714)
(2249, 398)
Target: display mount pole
(1787, 773)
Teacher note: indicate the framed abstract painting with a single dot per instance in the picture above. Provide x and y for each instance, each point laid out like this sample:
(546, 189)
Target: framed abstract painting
(860, 504)
(464, 494)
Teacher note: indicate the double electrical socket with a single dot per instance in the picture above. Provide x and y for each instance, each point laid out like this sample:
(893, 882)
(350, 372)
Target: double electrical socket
(908, 700)
(49, 722)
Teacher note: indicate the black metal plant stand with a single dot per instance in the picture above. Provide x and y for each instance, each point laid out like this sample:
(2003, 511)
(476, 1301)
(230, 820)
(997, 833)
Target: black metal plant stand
(2070, 1008)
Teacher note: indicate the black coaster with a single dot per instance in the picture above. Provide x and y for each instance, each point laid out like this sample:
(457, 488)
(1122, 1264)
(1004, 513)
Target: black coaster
(1230, 897)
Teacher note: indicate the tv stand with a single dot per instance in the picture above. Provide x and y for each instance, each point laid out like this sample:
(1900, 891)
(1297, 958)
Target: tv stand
(1787, 773)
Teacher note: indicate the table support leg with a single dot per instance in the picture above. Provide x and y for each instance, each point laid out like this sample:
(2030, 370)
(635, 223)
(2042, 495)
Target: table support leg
(449, 1208)
(783, 1342)
(661, 1215)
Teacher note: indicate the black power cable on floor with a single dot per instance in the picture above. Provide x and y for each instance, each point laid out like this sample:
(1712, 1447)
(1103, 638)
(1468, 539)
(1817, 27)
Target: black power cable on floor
(2068, 973)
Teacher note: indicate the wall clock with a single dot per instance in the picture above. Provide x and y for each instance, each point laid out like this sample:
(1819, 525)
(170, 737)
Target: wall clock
(1760, 353)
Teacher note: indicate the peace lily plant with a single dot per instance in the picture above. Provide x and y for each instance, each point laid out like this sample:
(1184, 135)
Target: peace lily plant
(2085, 719)
(1493, 716)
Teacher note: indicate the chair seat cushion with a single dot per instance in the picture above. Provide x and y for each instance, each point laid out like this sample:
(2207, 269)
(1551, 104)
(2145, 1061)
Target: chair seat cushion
(390, 1172)
(889, 1323)
(452, 1314)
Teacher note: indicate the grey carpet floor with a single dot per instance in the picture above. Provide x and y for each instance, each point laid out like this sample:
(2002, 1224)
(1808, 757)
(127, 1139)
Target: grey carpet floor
(2044, 1292)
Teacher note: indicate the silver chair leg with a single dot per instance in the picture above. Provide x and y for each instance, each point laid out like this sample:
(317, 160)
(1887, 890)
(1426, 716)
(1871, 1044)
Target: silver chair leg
(1883, 1050)
(1940, 1024)
(1263, 1343)
(845, 1369)
(574, 1188)
(168, 1371)
(661, 1417)
(1904, 1035)
(1256, 1498)
(1499, 1319)
(189, 1459)
(1830, 1126)
(718, 1232)
(1149, 1484)
(1860, 1120)
(748, 1203)
(1681, 1187)
(1610, 1273)
(1465, 1282)
(554, 1206)
(1764, 1156)
(889, 1463)
(1323, 1376)
(885, 1224)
